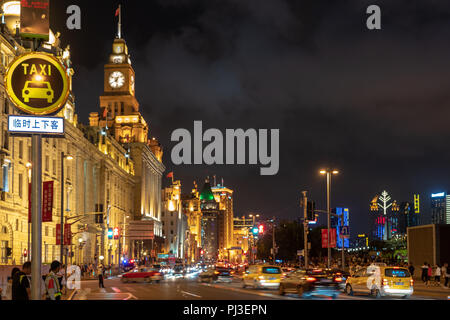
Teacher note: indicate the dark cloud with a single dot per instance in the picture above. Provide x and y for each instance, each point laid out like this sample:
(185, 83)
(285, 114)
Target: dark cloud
(371, 103)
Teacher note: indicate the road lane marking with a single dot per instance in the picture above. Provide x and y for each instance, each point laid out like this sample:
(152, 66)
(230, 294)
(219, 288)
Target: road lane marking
(191, 294)
(262, 294)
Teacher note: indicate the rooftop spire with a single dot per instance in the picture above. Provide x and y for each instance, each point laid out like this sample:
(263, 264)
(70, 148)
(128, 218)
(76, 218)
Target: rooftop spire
(119, 26)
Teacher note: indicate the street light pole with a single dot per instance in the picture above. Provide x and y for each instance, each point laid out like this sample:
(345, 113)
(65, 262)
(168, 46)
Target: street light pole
(274, 247)
(305, 228)
(328, 172)
(62, 209)
(36, 217)
(328, 218)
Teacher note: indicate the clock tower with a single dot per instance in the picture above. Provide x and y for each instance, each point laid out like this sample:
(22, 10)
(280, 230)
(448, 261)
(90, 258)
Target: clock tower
(119, 106)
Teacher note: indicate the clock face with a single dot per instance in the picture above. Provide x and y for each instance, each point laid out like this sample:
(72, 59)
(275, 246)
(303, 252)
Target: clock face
(118, 59)
(116, 79)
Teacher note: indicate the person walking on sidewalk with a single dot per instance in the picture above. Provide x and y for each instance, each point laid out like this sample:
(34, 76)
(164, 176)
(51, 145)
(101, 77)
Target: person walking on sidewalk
(437, 275)
(20, 289)
(52, 286)
(424, 272)
(100, 271)
(411, 269)
(429, 274)
(445, 273)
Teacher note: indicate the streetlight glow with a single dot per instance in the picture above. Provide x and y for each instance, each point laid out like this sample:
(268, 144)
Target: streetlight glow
(323, 171)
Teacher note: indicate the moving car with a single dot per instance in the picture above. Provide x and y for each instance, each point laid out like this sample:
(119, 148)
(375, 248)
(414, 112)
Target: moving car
(343, 275)
(142, 274)
(262, 276)
(218, 274)
(37, 90)
(311, 282)
(381, 280)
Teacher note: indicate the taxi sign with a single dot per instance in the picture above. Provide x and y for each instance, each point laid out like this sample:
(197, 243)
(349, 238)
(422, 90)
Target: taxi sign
(35, 125)
(37, 83)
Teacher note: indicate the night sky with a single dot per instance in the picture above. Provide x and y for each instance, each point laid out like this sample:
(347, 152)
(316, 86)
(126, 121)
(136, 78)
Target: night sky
(373, 104)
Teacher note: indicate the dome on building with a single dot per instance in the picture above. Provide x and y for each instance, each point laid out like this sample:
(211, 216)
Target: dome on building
(207, 194)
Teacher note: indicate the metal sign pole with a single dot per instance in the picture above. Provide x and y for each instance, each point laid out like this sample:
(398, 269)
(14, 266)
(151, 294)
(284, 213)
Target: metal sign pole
(305, 228)
(36, 217)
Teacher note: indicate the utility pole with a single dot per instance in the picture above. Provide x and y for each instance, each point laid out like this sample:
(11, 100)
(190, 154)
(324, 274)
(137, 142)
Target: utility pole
(328, 218)
(305, 228)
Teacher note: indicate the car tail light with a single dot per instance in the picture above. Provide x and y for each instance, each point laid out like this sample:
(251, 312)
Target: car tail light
(338, 279)
(158, 274)
(385, 282)
(412, 282)
(311, 279)
(216, 272)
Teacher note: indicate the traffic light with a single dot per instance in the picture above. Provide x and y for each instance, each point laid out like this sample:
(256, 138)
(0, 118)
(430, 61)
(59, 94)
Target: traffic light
(310, 208)
(25, 252)
(255, 230)
(261, 228)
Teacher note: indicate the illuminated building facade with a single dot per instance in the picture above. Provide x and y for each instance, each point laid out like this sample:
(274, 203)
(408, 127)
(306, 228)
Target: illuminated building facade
(241, 238)
(385, 215)
(440, 208)
(120, 118)
(210, 222)
(174, 221)
(93, 179)
(224, 197)
(191, 208)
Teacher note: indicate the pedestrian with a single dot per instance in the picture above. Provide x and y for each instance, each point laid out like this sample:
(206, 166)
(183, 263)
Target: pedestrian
(100, 271)
(52, 286)
(437, 275)
(424, 272)
(445, 273)
(429, 274)
(20, 289)
(411, 269)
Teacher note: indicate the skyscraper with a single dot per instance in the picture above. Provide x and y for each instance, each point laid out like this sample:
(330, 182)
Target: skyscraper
(210, 222)
(440, 208)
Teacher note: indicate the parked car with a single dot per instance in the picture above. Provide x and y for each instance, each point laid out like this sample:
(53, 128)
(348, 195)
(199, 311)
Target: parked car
(311, 282)
(262, 276)
(381, 280)
(142, 274)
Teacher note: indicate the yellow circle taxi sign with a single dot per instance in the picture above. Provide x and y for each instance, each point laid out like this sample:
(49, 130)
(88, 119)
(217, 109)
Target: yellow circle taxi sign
(37, 83)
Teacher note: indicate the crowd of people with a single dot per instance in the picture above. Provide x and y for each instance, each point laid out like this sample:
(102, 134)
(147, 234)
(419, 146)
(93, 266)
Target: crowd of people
(19, 283)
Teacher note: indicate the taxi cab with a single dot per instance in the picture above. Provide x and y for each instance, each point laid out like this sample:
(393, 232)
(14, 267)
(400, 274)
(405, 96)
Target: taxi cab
(262, 276)
(381, 280)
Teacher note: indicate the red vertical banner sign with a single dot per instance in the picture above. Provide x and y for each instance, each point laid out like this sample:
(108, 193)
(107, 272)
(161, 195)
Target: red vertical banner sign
(29, 203)
(332, 238)
(58, 234)
(67, 234)
(47, 201)
(324, 238)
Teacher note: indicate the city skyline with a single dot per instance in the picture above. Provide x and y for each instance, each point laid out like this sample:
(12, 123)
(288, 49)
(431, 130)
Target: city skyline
(186, 69)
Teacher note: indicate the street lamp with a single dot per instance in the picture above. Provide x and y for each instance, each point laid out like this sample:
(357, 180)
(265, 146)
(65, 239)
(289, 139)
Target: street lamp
(29, 165)
(253, 216)
(68, 157)
(328, 172)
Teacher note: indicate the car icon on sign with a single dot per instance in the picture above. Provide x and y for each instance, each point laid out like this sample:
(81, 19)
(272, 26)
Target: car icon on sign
(37, 90)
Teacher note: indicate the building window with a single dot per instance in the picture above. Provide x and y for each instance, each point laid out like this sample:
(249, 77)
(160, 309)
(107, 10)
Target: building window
(171, 223)
(5, 140)
(54, 167)
(20, 184)
(46, 163)
(46, 231)
(5, 186)
(171, 231)
(17, 224)
(20, 149)
(122, 108)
